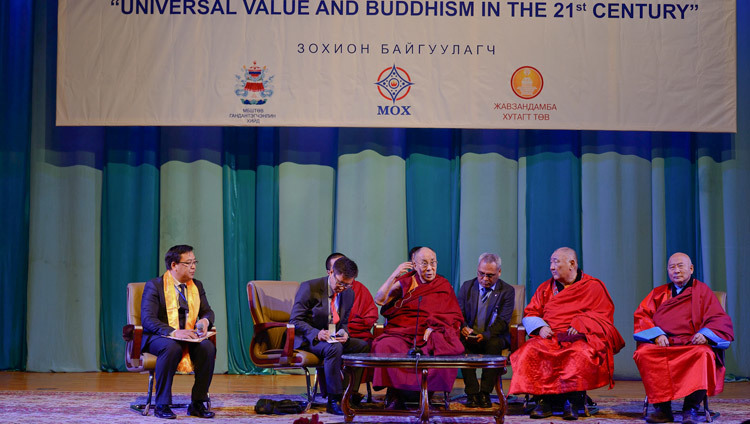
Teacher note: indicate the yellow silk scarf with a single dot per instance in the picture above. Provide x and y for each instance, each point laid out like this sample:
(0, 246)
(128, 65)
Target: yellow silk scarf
(173, 306)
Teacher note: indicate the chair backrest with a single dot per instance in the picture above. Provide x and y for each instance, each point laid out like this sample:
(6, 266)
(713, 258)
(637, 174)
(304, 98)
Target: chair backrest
(519, 305)
(271, 301)
(135, 293)
(722, 296)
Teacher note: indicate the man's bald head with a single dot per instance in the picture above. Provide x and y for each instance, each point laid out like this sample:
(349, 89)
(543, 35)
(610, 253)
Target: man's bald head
(425, 261)
(563, 264)
(680, 268)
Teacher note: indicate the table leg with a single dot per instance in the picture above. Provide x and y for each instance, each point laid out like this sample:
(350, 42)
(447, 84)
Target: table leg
(345, 405)
(503, 408)
(424, 400)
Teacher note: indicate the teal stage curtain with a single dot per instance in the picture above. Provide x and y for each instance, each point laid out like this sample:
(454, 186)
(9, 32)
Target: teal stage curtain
(89, 209)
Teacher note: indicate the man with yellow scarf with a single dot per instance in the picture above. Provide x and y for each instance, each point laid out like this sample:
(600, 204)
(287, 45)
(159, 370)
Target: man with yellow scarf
(175, 305)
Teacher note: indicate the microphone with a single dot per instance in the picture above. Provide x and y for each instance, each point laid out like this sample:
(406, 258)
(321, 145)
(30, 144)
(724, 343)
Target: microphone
(415, 351)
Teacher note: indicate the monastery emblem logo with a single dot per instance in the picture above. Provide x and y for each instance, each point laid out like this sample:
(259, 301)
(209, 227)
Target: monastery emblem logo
(254, 86)
(526, 82)
(394, 83)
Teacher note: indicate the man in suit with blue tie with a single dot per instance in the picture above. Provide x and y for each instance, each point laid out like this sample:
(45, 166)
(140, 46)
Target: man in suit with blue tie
(487, 305)
(320, 316)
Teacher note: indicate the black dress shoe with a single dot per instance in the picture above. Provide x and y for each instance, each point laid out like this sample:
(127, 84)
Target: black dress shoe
(542, 410)
(660, 416)
(689, 417)
(163, 411)
(570, 412)
(471, 400)
(198, 409)
(483, 400)
(334, 407)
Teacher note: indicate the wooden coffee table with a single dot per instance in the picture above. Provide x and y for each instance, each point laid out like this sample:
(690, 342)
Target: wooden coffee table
(423, 364)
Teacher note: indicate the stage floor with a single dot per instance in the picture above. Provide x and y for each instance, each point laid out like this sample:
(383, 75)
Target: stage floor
(257, 384)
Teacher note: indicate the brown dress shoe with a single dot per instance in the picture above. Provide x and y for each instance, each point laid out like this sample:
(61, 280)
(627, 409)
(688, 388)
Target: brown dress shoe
(542, 410)
(660, 416)
(483, 400)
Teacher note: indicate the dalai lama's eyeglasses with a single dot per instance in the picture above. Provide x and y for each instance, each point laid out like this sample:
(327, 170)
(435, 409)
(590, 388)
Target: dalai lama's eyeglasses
(425, 264)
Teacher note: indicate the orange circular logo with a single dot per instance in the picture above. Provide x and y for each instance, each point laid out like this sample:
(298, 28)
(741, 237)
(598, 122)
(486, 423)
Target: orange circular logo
(526, 82)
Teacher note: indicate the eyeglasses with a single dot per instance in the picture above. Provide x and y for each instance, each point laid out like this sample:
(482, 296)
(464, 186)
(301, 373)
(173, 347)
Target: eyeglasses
(425, 264)
(190, 263)
(481, 274)
(341, 283)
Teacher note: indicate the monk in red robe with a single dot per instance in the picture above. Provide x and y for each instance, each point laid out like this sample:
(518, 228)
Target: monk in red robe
(682, 331)
(440, 319)
(573, 340)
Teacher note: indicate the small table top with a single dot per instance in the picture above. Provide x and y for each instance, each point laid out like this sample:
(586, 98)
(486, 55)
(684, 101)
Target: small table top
(449, 361)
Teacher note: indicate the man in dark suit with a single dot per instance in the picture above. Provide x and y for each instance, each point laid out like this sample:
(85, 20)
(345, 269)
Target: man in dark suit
(175, 305)
(320, 316)
(487, 305)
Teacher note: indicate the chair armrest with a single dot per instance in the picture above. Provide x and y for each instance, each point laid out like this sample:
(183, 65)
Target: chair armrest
(517, 336)
(135, 344)
(288, 348)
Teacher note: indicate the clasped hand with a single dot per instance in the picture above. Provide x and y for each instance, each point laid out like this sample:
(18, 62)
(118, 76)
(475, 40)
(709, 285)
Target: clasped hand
(546, 332)
(325, 335)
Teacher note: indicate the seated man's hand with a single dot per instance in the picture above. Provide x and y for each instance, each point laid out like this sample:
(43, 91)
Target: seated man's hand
(185, 334)
(572, 331)
(466, 331)
(343, 337)
(204, 327)
(478, 338)
(427, 333)
(401, 269)
(324, 335)
(545, 332)
(698, 339)
(661, 340)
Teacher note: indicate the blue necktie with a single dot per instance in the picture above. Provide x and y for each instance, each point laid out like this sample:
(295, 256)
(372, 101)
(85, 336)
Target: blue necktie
(485, 294)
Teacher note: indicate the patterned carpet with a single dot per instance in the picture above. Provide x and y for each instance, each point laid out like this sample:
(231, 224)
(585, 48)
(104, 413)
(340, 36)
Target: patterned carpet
(81, 407)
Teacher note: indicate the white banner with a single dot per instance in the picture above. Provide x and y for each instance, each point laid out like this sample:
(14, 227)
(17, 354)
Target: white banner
(642, 65)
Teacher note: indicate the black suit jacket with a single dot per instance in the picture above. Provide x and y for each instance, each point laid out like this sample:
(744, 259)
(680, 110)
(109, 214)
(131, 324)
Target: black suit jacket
(499, 308)
(310, 311)
(154, 310)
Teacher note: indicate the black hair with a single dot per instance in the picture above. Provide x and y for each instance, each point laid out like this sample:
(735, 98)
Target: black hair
(174, 253)
(331, 256)
(346, 267)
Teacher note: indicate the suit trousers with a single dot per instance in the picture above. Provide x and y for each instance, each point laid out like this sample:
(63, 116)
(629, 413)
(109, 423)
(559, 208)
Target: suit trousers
(331, 353)
(169, 353)
(492, 346)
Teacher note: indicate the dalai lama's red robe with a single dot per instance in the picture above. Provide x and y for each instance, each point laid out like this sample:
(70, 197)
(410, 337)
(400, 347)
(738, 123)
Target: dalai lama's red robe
(439, 310)
(549, 366)
(675, 371)
(364, 313)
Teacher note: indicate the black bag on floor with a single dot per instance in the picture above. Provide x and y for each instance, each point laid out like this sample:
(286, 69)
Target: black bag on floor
(280, 407)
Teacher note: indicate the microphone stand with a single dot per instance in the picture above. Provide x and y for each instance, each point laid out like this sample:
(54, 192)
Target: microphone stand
(415, 351)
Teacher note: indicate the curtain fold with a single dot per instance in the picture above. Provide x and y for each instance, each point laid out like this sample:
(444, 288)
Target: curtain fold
(16, 35)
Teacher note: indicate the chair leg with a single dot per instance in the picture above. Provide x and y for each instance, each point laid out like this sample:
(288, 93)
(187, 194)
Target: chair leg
(147, 407)
(446, 400)
(706, 410)
(645, 407)
(369, 392)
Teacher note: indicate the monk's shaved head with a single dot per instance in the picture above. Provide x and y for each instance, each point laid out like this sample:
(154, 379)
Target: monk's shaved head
(680, 268)
(426, 262)
(563, 264)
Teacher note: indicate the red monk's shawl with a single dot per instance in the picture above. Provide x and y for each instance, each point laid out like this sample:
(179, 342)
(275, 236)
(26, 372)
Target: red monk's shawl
(549, 366)
(689, 367)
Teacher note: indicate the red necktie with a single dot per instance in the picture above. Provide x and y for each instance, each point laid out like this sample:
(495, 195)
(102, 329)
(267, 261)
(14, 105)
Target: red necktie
(334, 312)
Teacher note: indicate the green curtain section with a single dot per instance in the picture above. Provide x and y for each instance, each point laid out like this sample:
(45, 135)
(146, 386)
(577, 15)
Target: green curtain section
(130, 231)
(371, 214)
(489, 213)
(614, 253)
(191, 212)
(16, 18)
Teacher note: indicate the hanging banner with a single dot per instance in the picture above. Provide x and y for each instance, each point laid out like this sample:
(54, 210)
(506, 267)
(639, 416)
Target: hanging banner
(630, 65)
